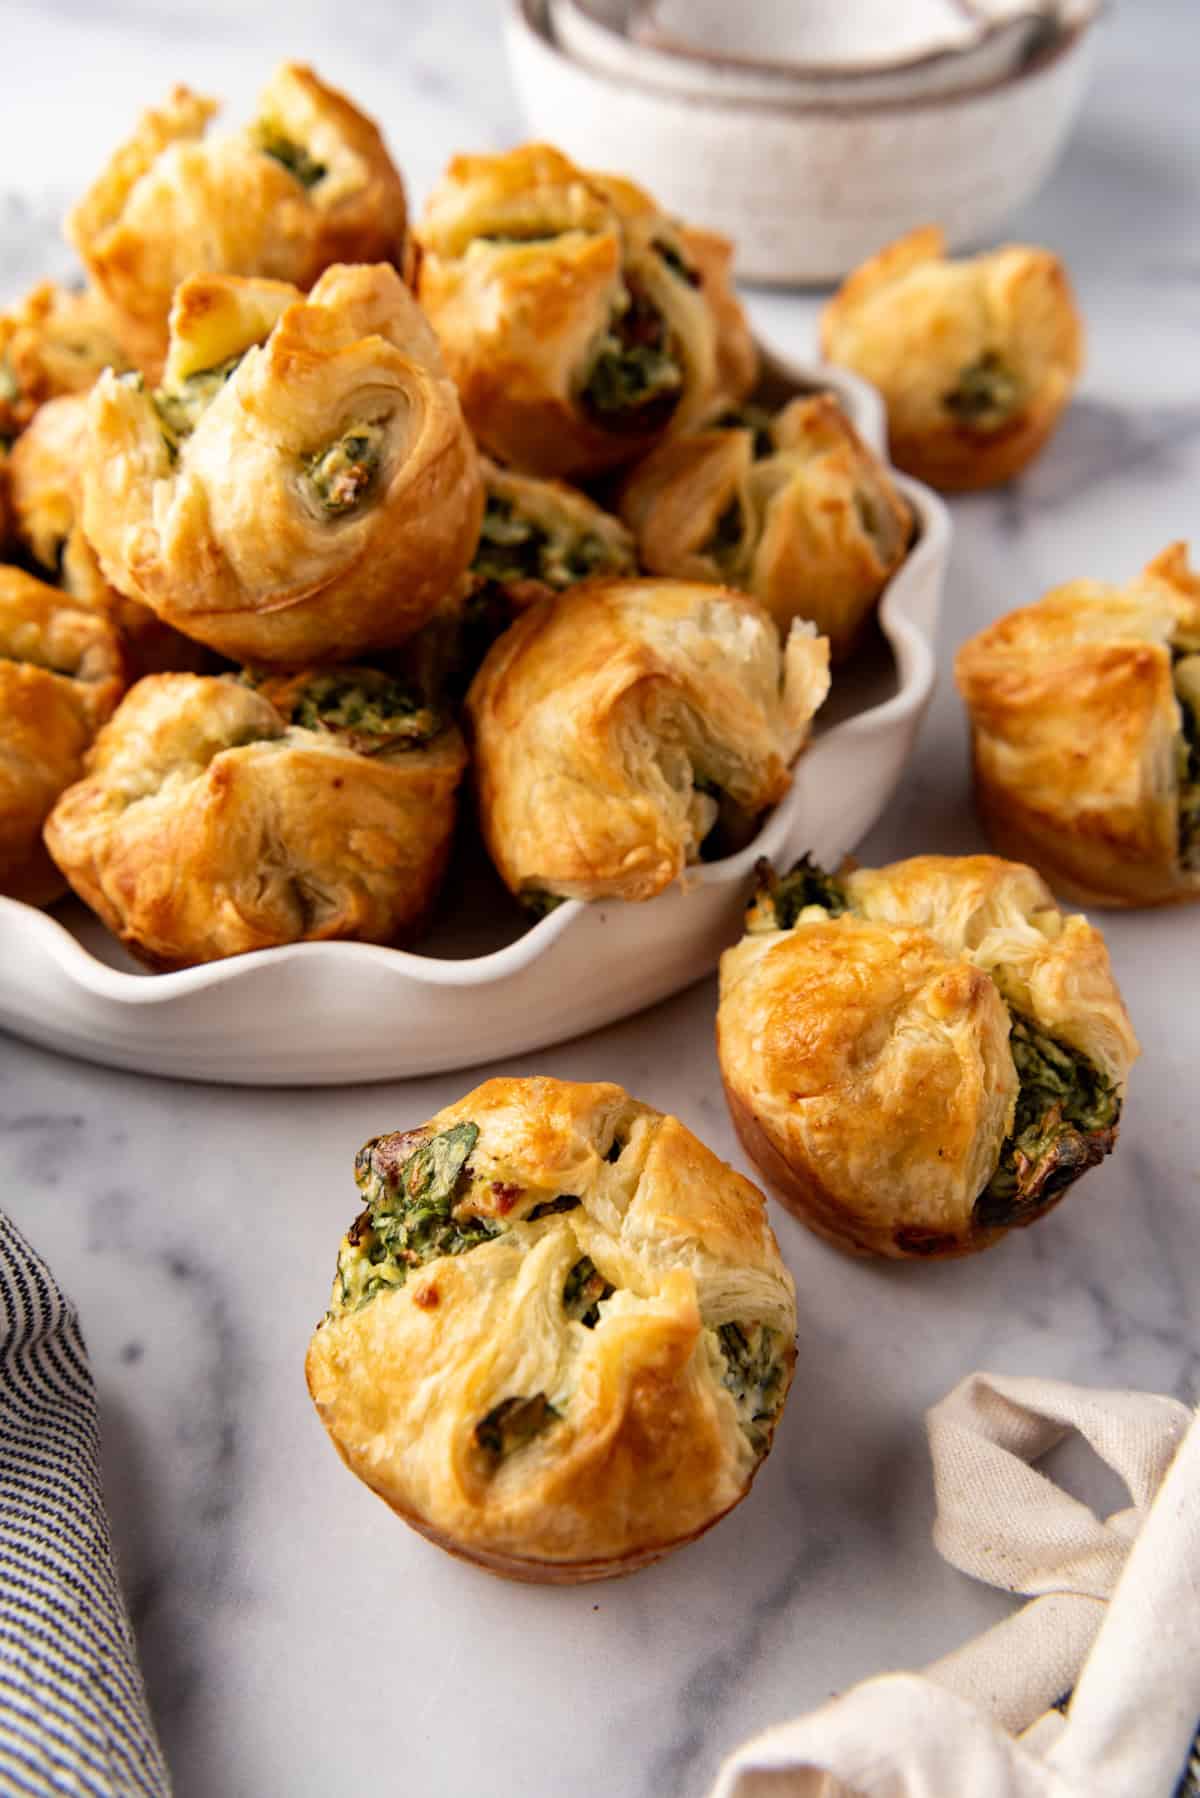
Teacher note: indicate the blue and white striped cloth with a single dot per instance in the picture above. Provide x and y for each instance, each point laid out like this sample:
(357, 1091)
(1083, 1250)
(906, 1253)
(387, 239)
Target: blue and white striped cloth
(73, 1713)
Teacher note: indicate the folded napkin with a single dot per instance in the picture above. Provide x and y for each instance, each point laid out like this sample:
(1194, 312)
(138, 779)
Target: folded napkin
(73, 1715)
(1110, 1641)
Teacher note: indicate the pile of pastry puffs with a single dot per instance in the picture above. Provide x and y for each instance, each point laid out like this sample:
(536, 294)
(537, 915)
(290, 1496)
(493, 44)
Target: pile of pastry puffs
(308, 512)
(301, 501)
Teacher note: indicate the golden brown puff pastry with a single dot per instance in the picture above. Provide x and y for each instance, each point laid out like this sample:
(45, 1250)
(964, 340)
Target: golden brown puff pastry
(560, 1334)
(307, 184)
(60, 676)
(626, 728)
(302, 486)
(975, 359)
(537, 539)
(54, 342)
(222, 815)
(571, 314)
(1085, 716)
(45, 493)
(920, 1057)
(793, 508)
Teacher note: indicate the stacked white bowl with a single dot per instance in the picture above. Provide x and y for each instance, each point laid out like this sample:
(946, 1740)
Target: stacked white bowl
(810, 131)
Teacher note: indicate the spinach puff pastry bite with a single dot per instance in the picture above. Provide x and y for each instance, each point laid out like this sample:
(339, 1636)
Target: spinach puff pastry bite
(45, 480)
(920, 1057)
(220, 815)
(628, 728)
(307, 184)
(537, 538)
(1085, 721)
(976, 359)
(560, 1335)
(793, 508)
(580, 323)
(302, 485)
(61, 674)
(53, 342)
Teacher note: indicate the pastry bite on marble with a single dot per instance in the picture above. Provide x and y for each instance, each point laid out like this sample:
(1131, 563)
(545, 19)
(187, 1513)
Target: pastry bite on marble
(920, 1057)
(580, 322)
(792, 507)
(1085, 725)
(976, 358)
(306, 184)
(301, 486)
(45, 480)
(560, 1335)
(61, 674)
(53, 342)
(224, 814)
(629, 728)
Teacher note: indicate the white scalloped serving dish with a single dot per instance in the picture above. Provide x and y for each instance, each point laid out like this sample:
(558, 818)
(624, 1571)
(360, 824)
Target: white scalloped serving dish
(486, 983)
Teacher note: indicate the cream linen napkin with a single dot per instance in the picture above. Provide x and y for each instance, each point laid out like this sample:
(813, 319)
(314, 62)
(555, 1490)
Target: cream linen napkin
(1119, 1599)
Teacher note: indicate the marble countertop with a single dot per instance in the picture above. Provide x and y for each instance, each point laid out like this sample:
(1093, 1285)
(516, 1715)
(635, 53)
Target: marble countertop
(296, 1638)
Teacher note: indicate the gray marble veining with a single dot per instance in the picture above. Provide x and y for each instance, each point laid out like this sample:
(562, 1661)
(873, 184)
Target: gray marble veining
(299, 1640)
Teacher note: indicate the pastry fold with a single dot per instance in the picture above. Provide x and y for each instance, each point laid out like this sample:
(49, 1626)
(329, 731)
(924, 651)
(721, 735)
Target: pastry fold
(61, 674)
(53, 342)
(976, 358)
(793, 508)
(220, 815)
(579, 322)
(307, 184)
(922, 1056)
(302, 485)
(1085, 723)
(560, 1334)
(624, 728)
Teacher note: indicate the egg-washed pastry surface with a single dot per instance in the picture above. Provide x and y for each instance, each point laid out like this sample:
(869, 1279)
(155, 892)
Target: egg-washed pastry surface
(61, 674)
(302, 485)
(220, 815)
(45, 492)
(628, 728)
(922, 1056)
(976, 358)
(307, 184)
(793, 508)
(1085, 716)
(580, 323)
(53, 342)
(560, 1334)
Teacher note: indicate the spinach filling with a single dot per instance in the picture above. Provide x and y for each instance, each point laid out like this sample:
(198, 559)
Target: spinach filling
(986, 395)
(755, 1377)
(341, 475)
(635, 382)
(372, 712)
(410, 1193)
(273, 141)
(512, 547)
(180, 408)
(780, 898)
(584, 1291)
(1187, 692)
(512, 1423)
(1066, 1122)
(755, 419)
(725, 543)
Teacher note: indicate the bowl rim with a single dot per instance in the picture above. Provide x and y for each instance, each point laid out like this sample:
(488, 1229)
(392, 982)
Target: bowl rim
(900, 64)
(529, 19)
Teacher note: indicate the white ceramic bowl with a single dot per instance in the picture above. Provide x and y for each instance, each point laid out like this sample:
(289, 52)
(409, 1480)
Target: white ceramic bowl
(808, 192)
(609, 37)
(488, 984)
